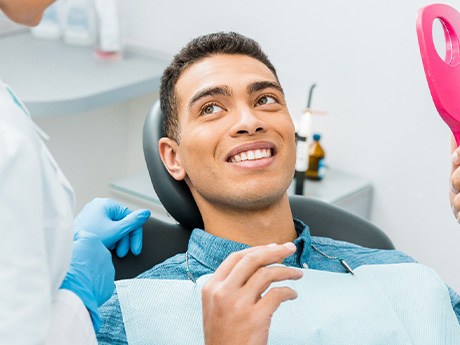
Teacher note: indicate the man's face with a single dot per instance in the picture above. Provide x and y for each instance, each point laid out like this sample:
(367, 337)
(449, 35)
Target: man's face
(237, 139)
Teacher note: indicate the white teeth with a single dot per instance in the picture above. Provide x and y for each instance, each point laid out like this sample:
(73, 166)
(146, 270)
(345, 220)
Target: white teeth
(251, 155)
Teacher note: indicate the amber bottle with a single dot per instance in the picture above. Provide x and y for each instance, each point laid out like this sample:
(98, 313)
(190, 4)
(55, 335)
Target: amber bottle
(316, 163)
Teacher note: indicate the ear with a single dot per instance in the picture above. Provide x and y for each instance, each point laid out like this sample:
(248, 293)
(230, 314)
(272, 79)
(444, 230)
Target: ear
(170, 156)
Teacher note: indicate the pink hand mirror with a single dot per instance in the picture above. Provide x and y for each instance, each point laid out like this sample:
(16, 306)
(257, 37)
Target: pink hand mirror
(443, 75)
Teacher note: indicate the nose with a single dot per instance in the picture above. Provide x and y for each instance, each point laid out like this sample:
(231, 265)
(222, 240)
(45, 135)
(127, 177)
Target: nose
(247, 123)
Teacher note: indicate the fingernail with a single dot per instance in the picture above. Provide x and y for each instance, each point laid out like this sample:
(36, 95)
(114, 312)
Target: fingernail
(454, 158)
(290, 245)
(453, 190)
(271, 245)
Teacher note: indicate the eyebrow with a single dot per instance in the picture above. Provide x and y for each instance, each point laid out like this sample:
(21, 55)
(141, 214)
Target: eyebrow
(211, 91)
(224, 90)
(261, 85)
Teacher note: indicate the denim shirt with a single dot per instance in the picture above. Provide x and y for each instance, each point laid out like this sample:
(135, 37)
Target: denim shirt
(206, 252)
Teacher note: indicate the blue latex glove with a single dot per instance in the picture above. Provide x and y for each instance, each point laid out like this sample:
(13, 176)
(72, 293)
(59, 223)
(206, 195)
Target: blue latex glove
(91, 274)
(116, 225)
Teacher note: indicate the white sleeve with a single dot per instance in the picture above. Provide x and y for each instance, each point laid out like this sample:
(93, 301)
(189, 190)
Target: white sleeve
(71, 323)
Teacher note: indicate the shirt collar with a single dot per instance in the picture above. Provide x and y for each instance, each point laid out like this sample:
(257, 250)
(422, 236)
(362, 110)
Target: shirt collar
(211, 250)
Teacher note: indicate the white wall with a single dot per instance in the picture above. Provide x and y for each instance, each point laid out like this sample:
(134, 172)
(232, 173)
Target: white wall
(364, 57)
(97, 147)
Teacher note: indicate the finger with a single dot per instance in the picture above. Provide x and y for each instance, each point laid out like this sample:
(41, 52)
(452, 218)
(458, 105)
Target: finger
(264, 276)
(273, 299)
(115, 210)
(131, 222)
(251, 262)
(227, 265)
(134, 220)
(136, 241)
(123, 246)
(456, 206)
(455, 181)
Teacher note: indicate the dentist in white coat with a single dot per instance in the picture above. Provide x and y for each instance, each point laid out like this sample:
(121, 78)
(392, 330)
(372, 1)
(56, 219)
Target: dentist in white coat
(54, 271)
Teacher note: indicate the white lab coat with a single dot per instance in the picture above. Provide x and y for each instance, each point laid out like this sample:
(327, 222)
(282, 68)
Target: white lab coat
(36, 222)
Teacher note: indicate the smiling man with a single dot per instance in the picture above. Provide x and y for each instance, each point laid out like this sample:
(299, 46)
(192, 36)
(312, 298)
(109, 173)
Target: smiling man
(231, 138)
(234, 130)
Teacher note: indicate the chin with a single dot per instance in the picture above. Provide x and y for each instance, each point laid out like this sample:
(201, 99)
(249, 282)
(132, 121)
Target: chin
(251, 195)
(259, 200)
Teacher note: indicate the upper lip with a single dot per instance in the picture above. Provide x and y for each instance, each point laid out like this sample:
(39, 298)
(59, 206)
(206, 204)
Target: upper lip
(251, 146)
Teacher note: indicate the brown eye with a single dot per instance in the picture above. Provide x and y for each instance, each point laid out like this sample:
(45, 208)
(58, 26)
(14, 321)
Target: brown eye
(266, 100)
(210, 109)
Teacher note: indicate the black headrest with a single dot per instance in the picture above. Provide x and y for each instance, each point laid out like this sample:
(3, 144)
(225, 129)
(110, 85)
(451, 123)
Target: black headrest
(174, 195)
(324, 219)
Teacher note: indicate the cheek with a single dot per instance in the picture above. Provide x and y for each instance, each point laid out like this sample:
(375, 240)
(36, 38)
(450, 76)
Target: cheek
(285, 128)
(203, 139)
(197, 151)
(287, 132)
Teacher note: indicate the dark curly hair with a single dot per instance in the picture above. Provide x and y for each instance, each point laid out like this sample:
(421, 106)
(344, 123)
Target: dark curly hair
(199, 48)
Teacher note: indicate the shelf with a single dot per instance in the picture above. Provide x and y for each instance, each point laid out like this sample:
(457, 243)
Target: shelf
(53, 78)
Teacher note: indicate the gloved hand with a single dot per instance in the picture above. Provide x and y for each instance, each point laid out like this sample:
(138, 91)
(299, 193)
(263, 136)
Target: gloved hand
(116, 225)
(91, 274)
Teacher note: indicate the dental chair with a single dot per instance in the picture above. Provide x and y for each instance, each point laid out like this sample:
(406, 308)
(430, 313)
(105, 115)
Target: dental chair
(163, 240)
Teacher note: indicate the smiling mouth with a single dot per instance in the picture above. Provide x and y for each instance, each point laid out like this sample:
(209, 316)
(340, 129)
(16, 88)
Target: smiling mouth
(251, 155)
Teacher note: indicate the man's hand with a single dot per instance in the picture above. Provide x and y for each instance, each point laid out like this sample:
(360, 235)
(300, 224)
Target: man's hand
(454, 195)
(234, 312)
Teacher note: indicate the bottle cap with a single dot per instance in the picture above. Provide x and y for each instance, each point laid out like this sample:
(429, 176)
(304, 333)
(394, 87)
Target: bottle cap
(316, 136)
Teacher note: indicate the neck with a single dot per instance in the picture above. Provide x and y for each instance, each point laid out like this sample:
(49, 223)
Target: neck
(273, 224)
